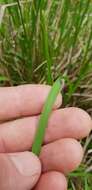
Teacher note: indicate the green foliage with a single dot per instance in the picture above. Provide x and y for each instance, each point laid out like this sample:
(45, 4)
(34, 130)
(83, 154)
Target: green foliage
(49, 34)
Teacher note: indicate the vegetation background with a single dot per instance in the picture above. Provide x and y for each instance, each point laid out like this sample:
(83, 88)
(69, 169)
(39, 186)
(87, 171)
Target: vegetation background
(41, 40)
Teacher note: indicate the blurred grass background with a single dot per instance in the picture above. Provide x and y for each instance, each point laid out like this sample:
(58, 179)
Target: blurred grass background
(41, 40)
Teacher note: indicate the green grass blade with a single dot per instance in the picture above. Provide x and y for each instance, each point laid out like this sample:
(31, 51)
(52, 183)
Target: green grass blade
(86, 184)
(22, 20)
(3, 78)
(13, 12)
(79, 20)
(63, 19)
(84, 67)
(36, 148)
(46, 48)
(36, 5)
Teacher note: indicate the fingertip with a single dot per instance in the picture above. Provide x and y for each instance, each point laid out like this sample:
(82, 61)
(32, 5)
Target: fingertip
(52, 180)
(63, 155)
(84, 120)
(75, 155)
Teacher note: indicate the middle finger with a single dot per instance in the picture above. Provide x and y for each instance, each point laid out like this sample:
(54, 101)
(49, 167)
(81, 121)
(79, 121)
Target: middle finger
(18, 135)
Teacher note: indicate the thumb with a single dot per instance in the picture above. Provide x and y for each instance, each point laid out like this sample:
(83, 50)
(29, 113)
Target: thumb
(19, 171)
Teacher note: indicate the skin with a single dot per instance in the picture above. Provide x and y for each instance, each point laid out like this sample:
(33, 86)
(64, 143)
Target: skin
(20, 169)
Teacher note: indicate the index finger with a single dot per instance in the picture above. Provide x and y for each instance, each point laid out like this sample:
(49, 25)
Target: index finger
(24, 100)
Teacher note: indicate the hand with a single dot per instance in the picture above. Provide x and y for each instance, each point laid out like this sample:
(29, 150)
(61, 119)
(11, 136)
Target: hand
(61, 153)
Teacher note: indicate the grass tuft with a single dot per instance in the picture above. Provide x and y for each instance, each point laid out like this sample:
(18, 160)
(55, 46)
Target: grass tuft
(42, 40)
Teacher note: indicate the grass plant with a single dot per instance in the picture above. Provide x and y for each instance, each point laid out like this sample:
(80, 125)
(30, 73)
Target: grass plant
(42, 40)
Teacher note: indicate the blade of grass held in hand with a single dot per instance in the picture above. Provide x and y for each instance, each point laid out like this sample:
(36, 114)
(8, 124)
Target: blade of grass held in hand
(40, 133)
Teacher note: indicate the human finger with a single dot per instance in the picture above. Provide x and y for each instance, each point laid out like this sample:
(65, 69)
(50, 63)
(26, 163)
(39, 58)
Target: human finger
(24, 100)
(52, 180)
(19, 171)
(63, 155)
(18, 135)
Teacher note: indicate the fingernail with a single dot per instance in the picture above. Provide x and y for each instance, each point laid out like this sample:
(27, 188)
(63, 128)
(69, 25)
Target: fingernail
(26, 163)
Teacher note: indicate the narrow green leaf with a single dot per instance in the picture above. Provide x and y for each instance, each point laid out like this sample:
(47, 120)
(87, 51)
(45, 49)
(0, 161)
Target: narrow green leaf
(46, 48)
(86, 184)
(22, 20)
(3, 78)
(36, 148)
